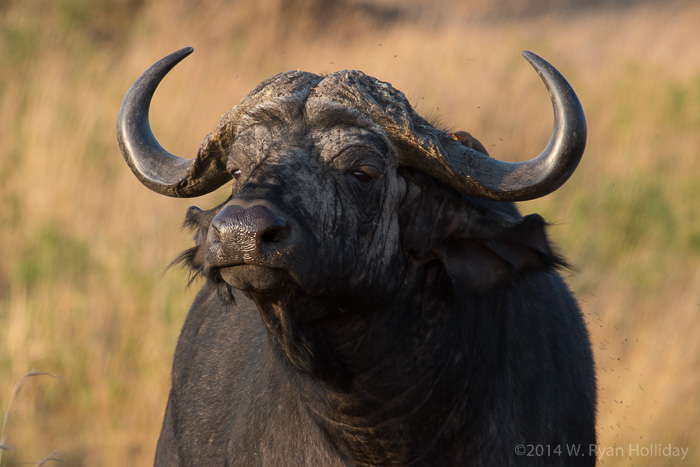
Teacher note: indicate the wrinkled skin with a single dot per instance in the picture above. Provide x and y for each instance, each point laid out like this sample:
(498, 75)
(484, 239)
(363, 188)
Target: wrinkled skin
(385, 319)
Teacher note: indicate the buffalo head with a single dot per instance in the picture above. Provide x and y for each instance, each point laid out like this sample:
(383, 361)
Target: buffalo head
(339, 190)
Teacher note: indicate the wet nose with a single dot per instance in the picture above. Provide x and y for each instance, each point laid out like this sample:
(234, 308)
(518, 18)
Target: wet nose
(246, 234)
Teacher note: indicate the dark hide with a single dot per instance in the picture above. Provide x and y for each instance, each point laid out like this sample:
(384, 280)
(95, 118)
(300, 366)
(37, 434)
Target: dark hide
(478, 347)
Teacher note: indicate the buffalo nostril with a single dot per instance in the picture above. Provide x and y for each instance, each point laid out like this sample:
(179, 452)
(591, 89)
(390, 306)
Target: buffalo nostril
(274, 234)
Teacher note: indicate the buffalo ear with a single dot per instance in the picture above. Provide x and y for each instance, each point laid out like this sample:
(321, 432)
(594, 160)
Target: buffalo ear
(481, 264)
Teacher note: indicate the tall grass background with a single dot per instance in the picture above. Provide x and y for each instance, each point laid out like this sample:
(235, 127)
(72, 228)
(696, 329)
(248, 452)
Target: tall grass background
(83, 245)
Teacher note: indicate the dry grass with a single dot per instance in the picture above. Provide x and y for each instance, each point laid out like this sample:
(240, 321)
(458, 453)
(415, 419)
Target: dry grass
(83, 244)
(8, 412)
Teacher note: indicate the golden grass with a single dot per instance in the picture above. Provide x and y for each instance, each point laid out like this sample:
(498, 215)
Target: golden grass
(83, 244)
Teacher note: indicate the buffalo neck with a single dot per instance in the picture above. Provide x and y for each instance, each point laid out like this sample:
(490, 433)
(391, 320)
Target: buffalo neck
(388, 383)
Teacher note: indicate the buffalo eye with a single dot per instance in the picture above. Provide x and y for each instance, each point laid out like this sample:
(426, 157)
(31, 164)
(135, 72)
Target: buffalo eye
(361, 176)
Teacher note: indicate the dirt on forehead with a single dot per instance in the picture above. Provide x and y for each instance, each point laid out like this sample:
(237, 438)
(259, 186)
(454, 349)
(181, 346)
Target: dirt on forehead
(357, 92)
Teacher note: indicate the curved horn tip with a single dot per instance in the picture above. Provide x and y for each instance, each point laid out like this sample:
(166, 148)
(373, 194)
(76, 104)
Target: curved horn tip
(568, 103)
(530, 55)
(169, 61)
(183, 52)
(163, 66)
(537, 62)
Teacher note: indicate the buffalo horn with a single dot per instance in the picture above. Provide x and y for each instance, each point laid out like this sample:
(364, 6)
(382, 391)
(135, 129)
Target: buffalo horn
(480, 175)
(155, 167)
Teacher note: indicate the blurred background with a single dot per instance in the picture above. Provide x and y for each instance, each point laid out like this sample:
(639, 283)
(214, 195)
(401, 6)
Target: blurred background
(84, 293)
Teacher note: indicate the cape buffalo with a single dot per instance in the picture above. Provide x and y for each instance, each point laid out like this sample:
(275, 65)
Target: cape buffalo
(372, 295)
